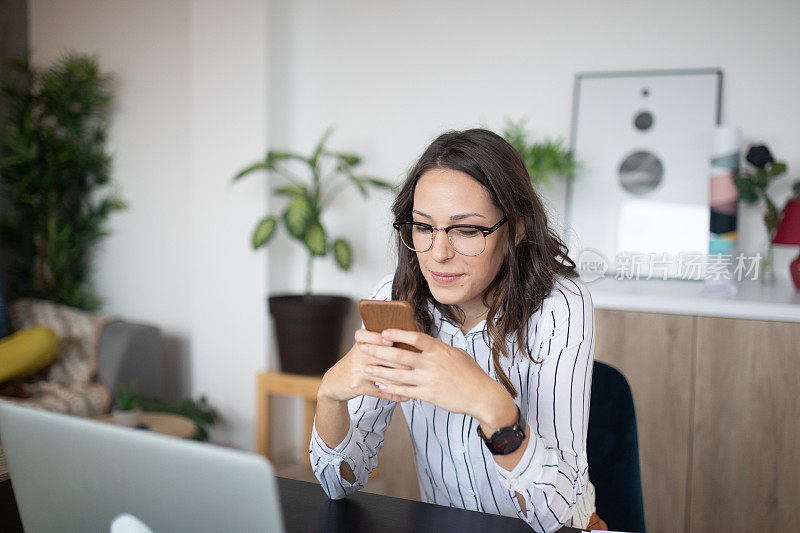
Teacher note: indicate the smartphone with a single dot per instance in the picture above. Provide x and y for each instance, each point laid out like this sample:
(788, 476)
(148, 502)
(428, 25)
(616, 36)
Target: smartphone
(379, 315)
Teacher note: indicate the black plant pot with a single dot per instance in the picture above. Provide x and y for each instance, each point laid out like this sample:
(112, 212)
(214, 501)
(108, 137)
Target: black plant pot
(309, 331)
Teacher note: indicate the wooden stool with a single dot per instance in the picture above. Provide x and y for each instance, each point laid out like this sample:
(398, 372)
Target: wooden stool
(269, 383)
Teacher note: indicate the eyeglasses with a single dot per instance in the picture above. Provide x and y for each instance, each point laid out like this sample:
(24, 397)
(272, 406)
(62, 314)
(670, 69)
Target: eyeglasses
(467, 239)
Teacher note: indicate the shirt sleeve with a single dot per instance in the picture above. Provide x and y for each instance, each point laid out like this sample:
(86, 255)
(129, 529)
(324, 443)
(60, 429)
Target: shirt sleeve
(551, 476)
(369, 418)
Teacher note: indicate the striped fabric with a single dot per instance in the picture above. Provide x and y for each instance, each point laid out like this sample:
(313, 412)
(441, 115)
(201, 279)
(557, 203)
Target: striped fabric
(453, 465)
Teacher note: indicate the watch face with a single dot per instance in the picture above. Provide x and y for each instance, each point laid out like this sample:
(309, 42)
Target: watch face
(506, 441)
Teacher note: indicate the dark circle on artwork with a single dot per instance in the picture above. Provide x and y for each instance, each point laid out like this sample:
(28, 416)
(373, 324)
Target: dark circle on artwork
(643, 120)
(640, 172)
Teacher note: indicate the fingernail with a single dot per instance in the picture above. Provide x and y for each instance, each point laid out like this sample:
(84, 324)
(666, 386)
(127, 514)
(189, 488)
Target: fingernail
(369, 370)
(387, 342)
(364, 348)
(381, 385)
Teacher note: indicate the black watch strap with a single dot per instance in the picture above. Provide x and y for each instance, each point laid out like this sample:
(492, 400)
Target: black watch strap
(507, 439)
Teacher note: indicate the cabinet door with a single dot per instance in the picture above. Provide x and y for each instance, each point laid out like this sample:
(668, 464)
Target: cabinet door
(654, 352)
(746, 458)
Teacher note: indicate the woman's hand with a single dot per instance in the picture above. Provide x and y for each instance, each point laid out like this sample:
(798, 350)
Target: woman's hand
(441, 374)
(348, 377)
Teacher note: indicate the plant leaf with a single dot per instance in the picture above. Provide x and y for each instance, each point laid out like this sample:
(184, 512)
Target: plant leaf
(291, 190)
(777, 168)
(762, 178)
(358, 183)
(350, 160)
(314, 159)
(315, 239)
(745, 187)
(343, 254)
(260, 165)
(298, 216)
(378, 183)
(274, 156)
(264, 231)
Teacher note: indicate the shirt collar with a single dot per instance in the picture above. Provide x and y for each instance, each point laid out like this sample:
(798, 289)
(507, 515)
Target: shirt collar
(444, 325)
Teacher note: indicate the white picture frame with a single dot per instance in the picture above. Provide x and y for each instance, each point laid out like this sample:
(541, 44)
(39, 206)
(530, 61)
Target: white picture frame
(643, 141)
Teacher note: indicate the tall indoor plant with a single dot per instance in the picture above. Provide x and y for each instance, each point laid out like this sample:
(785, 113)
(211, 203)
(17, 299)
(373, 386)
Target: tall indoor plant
(309, 326)
(54, 171)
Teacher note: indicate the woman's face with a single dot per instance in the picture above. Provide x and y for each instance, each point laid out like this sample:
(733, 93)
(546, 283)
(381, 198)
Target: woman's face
(444, 197)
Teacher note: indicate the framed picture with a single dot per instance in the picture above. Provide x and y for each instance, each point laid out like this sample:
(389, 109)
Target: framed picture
(643, 140)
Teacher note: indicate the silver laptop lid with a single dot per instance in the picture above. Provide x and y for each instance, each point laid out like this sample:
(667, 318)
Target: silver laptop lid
(73, 474)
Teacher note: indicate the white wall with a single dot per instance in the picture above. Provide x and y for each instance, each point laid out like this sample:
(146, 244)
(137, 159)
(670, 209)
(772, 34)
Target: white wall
(394, 75)
(192, 109)
(140, 269)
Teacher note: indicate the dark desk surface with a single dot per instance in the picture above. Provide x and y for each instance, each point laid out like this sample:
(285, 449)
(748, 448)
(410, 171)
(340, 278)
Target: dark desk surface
(307, 508)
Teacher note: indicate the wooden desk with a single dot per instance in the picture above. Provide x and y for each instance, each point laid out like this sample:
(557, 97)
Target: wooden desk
(269, 383)
(306, 508)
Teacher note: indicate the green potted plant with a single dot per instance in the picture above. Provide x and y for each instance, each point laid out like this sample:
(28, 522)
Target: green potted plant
(309, 326)
(752, 186)
(542, 159)
(55, 171)
(199, 411)
(127, 411)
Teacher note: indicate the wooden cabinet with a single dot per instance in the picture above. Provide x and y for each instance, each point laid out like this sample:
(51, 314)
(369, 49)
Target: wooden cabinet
(718, 414)
(746, 438)
(655, 352)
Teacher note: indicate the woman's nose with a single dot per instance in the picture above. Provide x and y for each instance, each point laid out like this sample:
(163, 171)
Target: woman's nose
(441, 250)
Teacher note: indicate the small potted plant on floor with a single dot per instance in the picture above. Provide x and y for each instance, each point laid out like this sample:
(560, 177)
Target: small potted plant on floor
(127, 411)
(309, 326)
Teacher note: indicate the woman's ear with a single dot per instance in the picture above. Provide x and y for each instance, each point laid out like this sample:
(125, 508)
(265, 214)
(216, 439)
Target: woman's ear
(520, 231)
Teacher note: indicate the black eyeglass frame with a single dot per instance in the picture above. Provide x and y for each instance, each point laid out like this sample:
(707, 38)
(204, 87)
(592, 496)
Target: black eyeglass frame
(483, 229)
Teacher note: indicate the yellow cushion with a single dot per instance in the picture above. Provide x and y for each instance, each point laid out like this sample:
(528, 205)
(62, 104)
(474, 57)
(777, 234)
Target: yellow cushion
(26, 352)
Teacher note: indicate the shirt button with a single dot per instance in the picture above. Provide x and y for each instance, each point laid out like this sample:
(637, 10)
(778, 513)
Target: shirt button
(512, 484)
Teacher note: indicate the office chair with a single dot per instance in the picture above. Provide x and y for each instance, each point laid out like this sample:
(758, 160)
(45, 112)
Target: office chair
(612, 447)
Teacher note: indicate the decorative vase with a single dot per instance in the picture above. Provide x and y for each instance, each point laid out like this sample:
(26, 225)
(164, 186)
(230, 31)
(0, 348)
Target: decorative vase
(128, 418)
(309, 331)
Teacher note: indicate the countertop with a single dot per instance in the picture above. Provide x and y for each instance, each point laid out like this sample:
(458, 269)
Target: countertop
(753, 300)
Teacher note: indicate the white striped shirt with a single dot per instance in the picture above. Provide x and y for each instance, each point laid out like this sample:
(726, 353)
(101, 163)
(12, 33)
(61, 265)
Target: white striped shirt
(454, 467)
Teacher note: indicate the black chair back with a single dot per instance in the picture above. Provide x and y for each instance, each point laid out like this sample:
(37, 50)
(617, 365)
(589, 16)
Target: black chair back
(612, 447)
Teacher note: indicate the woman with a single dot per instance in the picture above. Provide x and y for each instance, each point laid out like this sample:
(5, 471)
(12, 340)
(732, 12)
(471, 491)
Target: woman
(498, 399)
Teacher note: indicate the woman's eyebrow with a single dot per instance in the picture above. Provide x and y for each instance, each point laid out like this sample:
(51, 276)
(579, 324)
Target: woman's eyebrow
(461, 216)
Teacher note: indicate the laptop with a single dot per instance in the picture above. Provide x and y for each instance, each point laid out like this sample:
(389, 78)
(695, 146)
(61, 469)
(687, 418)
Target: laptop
(74, 474)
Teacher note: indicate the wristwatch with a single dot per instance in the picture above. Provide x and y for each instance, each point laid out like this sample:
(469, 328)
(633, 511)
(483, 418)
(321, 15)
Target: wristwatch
(505, 440)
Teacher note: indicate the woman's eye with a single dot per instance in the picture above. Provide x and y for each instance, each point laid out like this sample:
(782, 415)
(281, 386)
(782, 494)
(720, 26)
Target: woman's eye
(465, 232)
(421, 229)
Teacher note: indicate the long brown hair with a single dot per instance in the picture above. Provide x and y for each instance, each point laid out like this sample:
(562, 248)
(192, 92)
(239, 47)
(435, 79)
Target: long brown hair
(529, 268)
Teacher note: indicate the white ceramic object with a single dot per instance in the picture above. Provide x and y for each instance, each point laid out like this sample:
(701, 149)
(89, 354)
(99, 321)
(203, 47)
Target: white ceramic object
(128, 418)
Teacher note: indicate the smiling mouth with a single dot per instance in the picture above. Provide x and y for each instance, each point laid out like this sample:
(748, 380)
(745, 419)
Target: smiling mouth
(444, 277)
